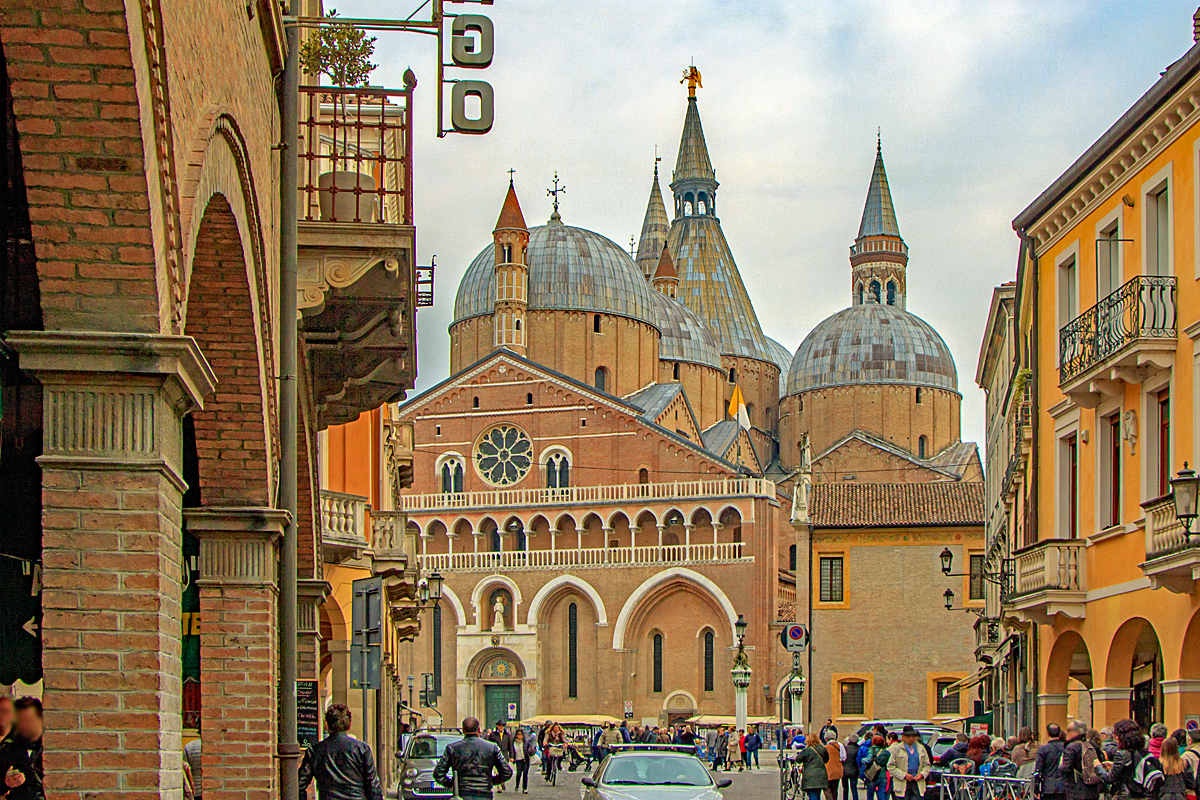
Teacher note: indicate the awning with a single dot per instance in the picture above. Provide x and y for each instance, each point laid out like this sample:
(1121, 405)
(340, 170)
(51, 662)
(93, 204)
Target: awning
(968, 682)
(722, 719)
(572, 719)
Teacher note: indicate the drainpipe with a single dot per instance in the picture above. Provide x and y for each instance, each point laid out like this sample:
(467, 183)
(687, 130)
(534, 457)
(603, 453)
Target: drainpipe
(289, 747)
(1031, 260)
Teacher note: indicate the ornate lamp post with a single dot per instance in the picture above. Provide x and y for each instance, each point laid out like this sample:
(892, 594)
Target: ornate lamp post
(1184, 490)
(795, 693)
(740, 673)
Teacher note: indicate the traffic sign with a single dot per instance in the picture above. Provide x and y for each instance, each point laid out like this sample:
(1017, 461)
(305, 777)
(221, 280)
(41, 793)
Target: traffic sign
(628, 709)
(794, 638)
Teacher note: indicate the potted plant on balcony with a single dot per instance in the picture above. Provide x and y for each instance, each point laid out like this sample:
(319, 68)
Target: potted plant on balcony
(342, 53)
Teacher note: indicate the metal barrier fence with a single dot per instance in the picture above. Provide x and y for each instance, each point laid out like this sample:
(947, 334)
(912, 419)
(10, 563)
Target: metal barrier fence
(984, 787)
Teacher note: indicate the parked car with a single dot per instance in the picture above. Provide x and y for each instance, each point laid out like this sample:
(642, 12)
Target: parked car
(939, 738)
(652, 772)
(420, 756)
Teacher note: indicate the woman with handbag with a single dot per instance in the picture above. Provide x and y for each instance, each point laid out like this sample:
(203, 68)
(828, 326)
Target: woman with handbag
(875, 769)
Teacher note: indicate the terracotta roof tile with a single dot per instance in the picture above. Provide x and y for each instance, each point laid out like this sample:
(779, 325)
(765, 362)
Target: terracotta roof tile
(666, 266)
(890, 505)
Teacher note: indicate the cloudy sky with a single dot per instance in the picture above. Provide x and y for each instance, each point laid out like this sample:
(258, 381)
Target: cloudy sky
(981, 103)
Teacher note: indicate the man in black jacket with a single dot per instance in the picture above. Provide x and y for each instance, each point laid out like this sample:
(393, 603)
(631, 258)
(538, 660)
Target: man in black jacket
(473, 760)
(500, 737)
(343, 767)
(21, 756)
(957, 750)
(1049, 757)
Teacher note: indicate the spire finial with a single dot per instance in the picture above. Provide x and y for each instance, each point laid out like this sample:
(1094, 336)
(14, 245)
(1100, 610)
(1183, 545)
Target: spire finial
(657, 158)
(632, 246)
(691, 76)
(555, 192)
(879, 140)
(510, 175)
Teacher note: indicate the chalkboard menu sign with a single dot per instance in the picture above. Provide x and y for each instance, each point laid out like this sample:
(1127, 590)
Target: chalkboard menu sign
(308, 728)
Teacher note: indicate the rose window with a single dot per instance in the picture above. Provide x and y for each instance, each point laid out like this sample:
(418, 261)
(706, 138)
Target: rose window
(504, 455)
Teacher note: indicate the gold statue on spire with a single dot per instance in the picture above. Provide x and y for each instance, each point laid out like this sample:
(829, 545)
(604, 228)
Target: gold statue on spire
(692, 76)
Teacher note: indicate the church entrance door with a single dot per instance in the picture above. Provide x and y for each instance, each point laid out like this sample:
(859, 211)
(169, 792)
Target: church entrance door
(496, 701)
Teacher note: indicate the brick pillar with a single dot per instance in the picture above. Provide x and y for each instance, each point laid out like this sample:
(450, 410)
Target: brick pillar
(112, 555)
(239, 649)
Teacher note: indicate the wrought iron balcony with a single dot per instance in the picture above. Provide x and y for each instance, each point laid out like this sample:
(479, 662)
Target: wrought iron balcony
(1116, 339)
(1050, 579)
(358, 283)
(1172, 561)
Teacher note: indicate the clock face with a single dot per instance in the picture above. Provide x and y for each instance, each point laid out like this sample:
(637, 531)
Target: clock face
(503, 455)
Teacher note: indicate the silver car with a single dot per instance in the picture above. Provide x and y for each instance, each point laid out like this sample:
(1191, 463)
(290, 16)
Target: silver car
(650, 772)
(420, 756)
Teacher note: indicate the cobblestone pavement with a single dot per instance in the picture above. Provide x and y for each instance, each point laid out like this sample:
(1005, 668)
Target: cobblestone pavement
(760, 784)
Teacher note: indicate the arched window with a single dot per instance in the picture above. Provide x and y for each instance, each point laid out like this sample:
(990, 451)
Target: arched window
(643, 475)
(874, 291)
(919, 397)
(709, 642)
(858, 292)
(452, 476)
(507, 253)
(921, 447)
(529, 398)
(801, 403)
(792, 557)
(572, 650)
(689, 202)
(558, 471)
(750, 412)
(675, 370)
(436, 666)
(496, 540)
(518, 324)
(474, 402)
(522, 541)
(891, 293)
(595, 323)
(732, 375)
(658, 662)
(601, 379)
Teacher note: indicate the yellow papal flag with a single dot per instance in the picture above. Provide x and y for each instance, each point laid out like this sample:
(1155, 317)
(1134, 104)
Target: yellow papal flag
(737, 408)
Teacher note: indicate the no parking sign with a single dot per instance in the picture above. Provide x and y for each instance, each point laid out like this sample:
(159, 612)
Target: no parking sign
(794, 638)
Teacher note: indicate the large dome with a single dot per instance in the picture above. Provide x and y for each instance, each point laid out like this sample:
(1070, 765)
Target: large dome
(569, 268)
(685, 337)
(872, 343)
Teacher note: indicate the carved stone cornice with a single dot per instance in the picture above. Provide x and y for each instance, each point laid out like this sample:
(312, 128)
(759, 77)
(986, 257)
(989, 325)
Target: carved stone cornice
(114, 400)
(238, 546)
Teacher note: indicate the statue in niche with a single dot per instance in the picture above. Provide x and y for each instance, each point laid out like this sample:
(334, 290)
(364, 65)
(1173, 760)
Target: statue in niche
(498, 613)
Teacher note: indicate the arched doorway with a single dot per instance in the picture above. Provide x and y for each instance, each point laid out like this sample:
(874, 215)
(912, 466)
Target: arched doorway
(1069, 680)
(1135, 661)
(498, 674)
(678, 706)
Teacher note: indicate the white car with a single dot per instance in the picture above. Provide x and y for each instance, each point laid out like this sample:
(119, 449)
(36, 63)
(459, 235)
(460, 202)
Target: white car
(652, 772)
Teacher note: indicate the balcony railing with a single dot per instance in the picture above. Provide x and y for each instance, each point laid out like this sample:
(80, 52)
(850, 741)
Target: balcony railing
(719, 553)
(356, 154)
(1144, 308)
(1172, 561)
(1051, 579)
(590, 495)
(343, 525)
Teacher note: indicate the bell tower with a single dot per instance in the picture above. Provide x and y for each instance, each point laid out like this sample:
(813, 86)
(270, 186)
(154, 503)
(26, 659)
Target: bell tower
(511, 238)
(879, 256)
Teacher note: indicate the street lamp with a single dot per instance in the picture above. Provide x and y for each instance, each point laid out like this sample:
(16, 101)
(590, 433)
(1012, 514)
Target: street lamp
(674, 518)
(740, 673)
(947, 561)
(412, 715)
(435, 580)
(948, 596)
(1184, 489)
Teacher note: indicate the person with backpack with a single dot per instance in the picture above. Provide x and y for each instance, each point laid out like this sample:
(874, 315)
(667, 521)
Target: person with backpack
(1178, 778)
(1135, 773)
(873, 767)
(1049, 757)
(1079, 764)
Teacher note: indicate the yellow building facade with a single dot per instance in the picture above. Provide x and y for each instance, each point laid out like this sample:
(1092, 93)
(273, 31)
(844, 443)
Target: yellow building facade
(1096, 569)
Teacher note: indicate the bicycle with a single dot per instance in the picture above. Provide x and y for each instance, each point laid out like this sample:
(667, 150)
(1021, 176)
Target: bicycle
(553, 753)
(790, 778)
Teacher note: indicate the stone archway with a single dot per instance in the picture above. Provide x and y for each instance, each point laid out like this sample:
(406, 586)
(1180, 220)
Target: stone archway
(497, 677)
(1067, 693)
(1133, 674)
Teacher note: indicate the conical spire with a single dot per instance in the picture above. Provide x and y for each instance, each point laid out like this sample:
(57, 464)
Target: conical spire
(879, 215)
(510, 215)
(654, 229)
(693, 162)
(666, 266)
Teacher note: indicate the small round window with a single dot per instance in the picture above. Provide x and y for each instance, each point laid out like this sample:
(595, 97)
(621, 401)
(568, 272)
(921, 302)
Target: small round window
(503, 455)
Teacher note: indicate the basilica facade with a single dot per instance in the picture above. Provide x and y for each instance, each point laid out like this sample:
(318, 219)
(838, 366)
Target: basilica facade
(600, 519)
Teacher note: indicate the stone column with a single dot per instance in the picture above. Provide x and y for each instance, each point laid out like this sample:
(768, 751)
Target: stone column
(239, 649)
(310, 593)
(339, 650)
(112, 555)
(1108, 705)
(1052, 708)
